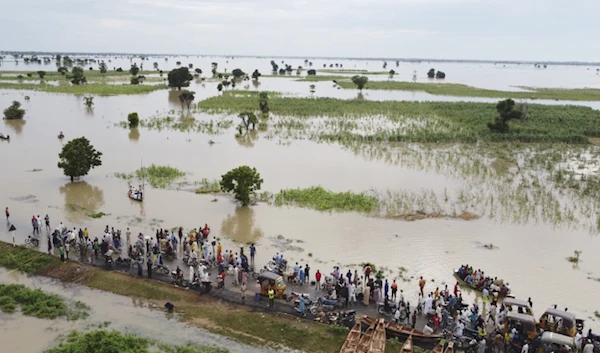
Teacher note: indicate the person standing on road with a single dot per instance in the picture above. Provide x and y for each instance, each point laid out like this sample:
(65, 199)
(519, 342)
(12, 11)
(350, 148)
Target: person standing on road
(257, 291)
(422, 285)
(47, 220)
(140, 263)
(67, 250)
(394, 289)
(252, 253)
(271, 297)
(306, 274)
(49, 246)
(386, 288)
(352, 293)
(35, 225)
(7, 213)
(243, 290)
(61, 251)
(318, 280)
(149, 264)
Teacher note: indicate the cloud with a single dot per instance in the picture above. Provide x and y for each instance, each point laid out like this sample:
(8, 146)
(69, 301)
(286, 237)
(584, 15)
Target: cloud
(482, 29)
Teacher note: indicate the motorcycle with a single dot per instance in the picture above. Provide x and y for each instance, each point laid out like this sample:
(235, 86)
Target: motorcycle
(345, 318)
(164, 269)
(178, 279)
(325, 305)
(123, 262)
(296, 295)
(32, 241)
(389, 311)
(206, 286)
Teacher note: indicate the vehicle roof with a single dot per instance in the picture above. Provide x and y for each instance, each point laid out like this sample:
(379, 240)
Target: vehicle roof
(268, 275)
(515, 301)
(557, 338)
(521, 317)
(565, 315)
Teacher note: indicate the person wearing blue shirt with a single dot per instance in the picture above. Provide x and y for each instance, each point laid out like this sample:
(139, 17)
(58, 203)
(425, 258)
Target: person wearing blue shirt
(252, 253)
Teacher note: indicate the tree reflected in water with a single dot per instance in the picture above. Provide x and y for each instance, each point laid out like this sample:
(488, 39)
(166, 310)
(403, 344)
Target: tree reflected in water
(16, 125)
(248, 139)
(240, 227)
(134, 134)
(81, 198)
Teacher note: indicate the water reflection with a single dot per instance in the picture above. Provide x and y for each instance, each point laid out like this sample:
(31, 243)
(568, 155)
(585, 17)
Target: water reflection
(134, 134)
(89, 111)
(81, 198)
(360, 96)
(247, 139)
(240, 227)
(16, 125)
(174, 97)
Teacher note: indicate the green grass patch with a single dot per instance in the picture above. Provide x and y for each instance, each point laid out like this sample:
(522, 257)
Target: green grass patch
(320, 199)
(158, 176)
(37, 303)
(25, 260)
(459, 90)
(130, 286)
(97, 214)
(92, 88)
(55, 75)
(103, 341)
(425, 122)
(353, 72)
(318, 78)
(206, 186)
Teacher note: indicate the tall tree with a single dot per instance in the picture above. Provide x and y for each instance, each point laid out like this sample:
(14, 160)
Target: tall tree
(78, 157)
(41, 74)
(243, 182)
(77, 76)
(248, 118)
(134, 70)
(360, 81)
(180, 77)
(186, 97)
(507, 111)
(14, 111)
(103, 68)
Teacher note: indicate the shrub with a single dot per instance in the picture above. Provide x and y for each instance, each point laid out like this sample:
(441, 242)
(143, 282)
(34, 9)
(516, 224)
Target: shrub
(133, 119)
(14, 111)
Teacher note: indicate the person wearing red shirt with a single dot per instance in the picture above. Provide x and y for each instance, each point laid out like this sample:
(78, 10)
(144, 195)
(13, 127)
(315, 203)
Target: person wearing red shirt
(318, 280)
(456, 289)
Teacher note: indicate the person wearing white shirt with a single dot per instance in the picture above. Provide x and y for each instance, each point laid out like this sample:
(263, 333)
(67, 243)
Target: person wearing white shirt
(428, 331)
(397, 315)
(458, 332)
(525, 348)
(578, 340)
(589, 347)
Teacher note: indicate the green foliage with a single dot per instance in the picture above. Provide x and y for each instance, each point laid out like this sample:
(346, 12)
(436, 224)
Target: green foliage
(198, 72)
(507, 111)
(103, 68)
(159, 176)
(360, 81)
(248, 118)
(180, 77)
(78, 157)
(24, 259)
(88, 101)
(115, 342)
(133, 120)
(97, 215)
(206, 186)
(263, 102)
(431, 73)
(575, 258)
(134, 70)
(370, 264)
(428, 121)
(14, 111)
(220, 87)
(318, 198)
(237, 73)
(77, 76)
(256, 75)
(37, 303)
(186, 97)
(243, 182)
(135, 80)
(41, 74)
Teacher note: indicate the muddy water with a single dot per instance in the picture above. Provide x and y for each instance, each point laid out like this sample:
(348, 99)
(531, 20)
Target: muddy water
(531, 257)
(126, 315)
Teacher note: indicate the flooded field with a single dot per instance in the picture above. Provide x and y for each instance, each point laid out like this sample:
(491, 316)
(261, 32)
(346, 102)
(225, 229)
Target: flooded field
(529, 252)
(108, 311)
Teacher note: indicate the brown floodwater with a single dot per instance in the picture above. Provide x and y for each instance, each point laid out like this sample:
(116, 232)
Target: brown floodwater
(24, 334)
(531, 257)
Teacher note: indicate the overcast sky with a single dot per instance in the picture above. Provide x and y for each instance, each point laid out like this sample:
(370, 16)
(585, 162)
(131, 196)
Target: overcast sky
(458, 29)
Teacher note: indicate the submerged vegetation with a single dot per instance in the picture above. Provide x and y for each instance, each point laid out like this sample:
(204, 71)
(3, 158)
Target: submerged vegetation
(460, 90)
(184, 124)
(35, 302)
(90, 88)
(158, 176)
(113, 341)
(206, 186)
(430, 122)
(325, 200)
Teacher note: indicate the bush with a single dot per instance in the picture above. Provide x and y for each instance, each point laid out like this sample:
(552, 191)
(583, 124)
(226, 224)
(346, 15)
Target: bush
(14, 111)
(133, 120)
